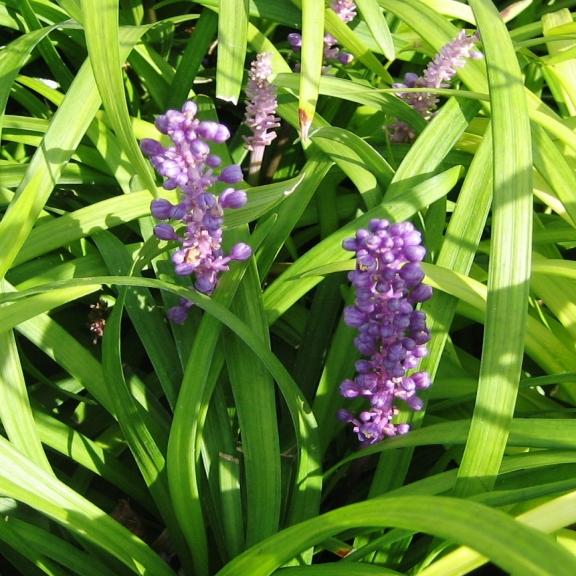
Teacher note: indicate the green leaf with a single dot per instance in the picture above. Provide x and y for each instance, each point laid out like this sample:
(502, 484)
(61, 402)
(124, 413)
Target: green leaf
(67, 128)
(312, 52)
(106, 59)
(516, 548)
(144, 441)
(352, 43)
(372, 14)
(292, 284)
(189, 64)
(361, 93)
(358, 160)
(232, 41)
(13, 57)
(254, 398)
(15, 412)
(510, 258)
(24, 481)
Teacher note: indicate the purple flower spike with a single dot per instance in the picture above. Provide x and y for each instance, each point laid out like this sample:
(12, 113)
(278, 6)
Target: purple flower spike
(391, 333)
(438, 74)
(346, 9)
(262, 104)
(188, 164)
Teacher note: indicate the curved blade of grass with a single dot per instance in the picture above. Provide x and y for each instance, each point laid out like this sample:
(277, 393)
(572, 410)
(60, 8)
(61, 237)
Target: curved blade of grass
(541, 343)
(560, 75)
(66, 351)
(121, 209)
(292, 284)
(555, 169)
(146, 447)
(372, 14)
(354, 92)
(67, 128)
(357, 159)
(91, 455)
(254, 398)
(13, 57)
(232, 41)
(512, 546)
(24, 481)
(352, 43)
(55, 63)
(28, 550)
(189, 64)
(312, 52)
(15, 412)
(289, 213)
(57, 549)
(338, 569)
(11, 316)
(104, 50)
(547, 518)
(510, 259)
(553, 434)
(147, 319)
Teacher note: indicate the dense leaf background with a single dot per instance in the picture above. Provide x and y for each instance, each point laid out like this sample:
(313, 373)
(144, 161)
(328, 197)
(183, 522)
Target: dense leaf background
(214, 447)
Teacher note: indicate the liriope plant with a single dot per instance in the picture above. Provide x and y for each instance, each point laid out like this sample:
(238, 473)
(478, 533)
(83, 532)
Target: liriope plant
(287, 287)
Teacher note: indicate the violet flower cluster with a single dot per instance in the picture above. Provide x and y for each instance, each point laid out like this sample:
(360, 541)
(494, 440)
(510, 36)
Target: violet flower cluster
(346, 11)
(392, 334)
(262, 103)
(438, 74)
(188, 164)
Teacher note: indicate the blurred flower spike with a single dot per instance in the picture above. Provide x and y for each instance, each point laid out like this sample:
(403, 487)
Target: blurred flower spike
(392, 334)
(346, 11)
(195, 223)
(261, 104)
(438, 74)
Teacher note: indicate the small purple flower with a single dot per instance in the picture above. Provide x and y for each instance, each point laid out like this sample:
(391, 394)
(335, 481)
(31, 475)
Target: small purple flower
(295, 40)
(231, 174)
(165, 232)
(392, 334)
(179, 314)
(187, 164)
(262, 103)
(240, 252)
(232, 198)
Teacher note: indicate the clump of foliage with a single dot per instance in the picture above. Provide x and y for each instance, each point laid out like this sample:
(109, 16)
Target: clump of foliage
(287, 287)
